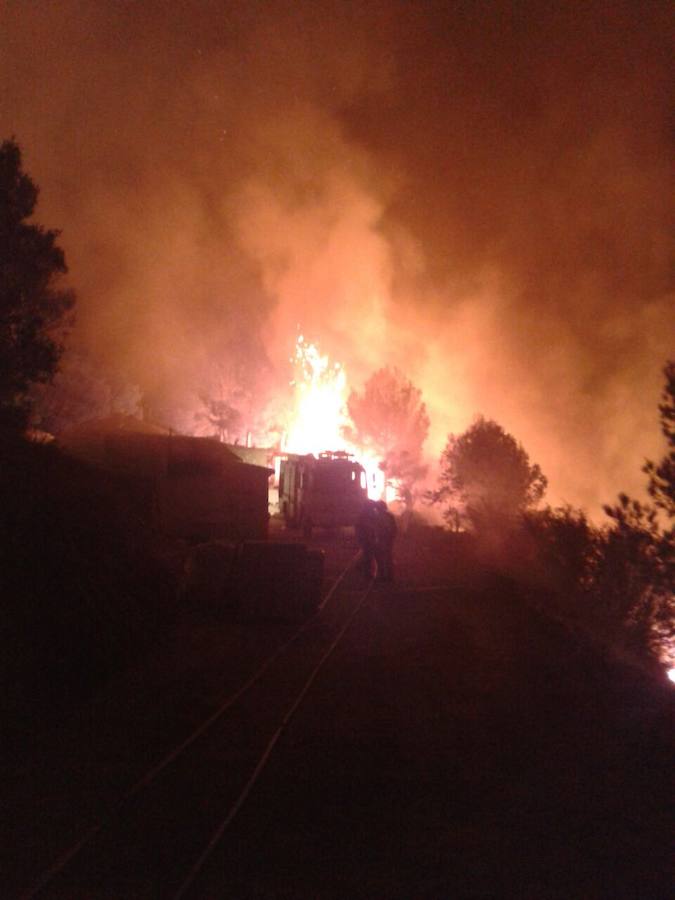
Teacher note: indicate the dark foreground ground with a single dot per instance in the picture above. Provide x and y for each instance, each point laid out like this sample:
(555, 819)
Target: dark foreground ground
(458, 744)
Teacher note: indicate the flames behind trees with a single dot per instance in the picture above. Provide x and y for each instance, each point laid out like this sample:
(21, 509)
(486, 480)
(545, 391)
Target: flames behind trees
(485, 201)
(390, 420)
(384, 429)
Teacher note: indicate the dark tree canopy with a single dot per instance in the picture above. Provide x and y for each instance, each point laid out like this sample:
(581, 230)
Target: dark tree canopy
(32, 306)
(639, 548)
(390, 419)
(486, 476)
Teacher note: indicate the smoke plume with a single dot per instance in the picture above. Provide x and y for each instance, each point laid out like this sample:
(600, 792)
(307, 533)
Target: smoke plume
(478, 193)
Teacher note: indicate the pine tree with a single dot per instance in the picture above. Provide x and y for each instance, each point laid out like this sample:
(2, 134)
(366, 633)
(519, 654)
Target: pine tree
(32, 305)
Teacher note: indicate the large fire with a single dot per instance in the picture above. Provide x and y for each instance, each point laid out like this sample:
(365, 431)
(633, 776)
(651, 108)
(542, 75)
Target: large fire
(319, 413)
(320, 406)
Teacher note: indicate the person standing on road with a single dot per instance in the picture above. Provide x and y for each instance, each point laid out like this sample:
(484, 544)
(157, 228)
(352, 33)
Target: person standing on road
(385, 535)
(366, 535)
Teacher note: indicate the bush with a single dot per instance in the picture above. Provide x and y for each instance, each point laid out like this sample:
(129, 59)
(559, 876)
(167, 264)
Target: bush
(613, 582)
(563, 548)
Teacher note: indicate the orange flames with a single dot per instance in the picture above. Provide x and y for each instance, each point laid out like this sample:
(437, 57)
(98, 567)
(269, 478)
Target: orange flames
(320, 403)
(319, 415)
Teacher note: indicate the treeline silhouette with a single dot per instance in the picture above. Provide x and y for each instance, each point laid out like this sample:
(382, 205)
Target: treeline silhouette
(89, 585)
(615, 582)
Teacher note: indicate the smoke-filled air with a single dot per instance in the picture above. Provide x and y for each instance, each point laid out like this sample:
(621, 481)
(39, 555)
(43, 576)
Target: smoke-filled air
(478, 195)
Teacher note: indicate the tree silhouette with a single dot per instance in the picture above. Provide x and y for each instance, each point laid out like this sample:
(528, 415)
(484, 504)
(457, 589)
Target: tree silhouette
(486, 477)
(32, 307)
(637, 562)
(220, 416)
(661, 484)
(390, 419)
(225, 395)
(616, 581)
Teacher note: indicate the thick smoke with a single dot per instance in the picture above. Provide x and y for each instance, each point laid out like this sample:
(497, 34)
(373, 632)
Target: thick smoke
(480, 194)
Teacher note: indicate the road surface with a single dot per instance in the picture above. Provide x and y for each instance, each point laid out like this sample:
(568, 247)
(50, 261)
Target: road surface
(456, 744)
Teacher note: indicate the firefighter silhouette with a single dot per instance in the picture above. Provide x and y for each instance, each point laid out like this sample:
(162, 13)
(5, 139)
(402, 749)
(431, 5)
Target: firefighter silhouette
(366, 536)
(376, 532)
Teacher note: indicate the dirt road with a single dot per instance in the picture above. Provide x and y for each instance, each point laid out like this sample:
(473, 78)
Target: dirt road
(456, 747)
(457, 744)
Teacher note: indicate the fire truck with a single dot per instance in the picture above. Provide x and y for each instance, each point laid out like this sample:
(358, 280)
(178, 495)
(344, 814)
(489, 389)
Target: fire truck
(328, 491)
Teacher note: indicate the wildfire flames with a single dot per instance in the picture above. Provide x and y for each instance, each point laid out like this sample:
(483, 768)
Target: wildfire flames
(319, 414)
(320, 408)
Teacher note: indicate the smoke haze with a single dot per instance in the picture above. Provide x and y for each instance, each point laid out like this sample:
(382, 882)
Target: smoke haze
(478, 193)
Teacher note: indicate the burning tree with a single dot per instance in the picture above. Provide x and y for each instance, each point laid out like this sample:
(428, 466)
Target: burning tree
(390, 419)
(32, 307)
(486, 477)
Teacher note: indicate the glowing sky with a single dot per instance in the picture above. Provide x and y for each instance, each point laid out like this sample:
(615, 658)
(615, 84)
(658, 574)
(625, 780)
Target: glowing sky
(478, 193)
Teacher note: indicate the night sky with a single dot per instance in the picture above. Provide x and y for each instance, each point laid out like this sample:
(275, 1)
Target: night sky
(479, 193)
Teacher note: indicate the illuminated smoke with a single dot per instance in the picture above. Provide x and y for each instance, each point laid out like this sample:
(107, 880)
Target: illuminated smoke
(484, 201)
